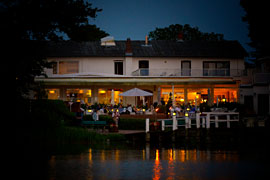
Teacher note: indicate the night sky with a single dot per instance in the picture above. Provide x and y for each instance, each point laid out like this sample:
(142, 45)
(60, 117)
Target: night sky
(136, 18)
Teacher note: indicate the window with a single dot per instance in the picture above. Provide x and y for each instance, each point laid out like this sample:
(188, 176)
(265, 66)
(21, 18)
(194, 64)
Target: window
(105, 95)
(54, 67)
(79, 95)
(225, 95)
(53, 93)
(118, 67)
(216, 68)
(68, 67)
(144, 68)
(185, 68)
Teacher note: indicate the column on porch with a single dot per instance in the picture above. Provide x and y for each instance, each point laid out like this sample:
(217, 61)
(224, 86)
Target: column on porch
(94, 98)
(173, 98)
(210, 101)
(186, 96)
(63, 95)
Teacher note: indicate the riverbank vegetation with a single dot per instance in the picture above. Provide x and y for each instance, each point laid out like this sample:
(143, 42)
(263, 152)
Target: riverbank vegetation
(50, 121)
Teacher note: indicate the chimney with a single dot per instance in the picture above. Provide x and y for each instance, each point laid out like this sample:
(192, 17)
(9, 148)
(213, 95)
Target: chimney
(180, 37)
(146, 40)
(128, 47)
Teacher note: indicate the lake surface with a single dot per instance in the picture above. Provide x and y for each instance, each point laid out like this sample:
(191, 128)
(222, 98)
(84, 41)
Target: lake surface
(148, 162)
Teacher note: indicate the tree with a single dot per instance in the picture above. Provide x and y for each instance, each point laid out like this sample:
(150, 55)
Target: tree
(187, 32)
(86, 33)
(256, 17)
(23, 21)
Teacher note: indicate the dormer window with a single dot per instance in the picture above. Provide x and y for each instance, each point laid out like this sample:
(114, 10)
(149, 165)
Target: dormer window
(107, 41)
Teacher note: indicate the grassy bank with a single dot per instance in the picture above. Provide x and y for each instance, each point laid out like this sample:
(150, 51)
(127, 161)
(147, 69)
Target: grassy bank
(50, 121)
(77, 134)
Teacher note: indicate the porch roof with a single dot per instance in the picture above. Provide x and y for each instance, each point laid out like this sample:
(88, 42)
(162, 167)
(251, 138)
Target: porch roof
(136, 81)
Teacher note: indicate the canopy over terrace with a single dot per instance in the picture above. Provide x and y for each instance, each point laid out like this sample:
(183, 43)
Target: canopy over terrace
(185, 89)
(136, 92)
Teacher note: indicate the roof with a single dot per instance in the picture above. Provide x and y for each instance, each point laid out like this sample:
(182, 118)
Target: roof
(155, 48)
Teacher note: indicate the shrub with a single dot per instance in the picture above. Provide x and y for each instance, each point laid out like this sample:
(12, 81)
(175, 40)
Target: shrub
(131, 124)
(50, 113)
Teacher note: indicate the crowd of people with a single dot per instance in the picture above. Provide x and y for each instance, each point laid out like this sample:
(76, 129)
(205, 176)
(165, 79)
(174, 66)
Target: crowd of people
(116, 111)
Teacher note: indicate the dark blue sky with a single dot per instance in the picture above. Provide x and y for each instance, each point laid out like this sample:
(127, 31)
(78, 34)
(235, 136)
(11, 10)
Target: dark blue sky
(136, 18)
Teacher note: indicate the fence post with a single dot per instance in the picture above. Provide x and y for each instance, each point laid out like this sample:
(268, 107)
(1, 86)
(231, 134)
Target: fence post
(186, 121)
(228, 121)
(208, 121)
(216, 121)
(203, 122)
(174, 123)
(163, 125)
(198, 120)
(147, 125)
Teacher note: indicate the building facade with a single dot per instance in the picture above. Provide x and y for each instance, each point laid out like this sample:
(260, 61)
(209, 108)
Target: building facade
(255, 87)
(191, 71)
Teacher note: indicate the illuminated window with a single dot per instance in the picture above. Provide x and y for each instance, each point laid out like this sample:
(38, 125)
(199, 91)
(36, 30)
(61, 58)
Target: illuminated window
(53, 93)
(68, 67)
(79, 95)
(104, 96)
(225, 95)
(178, 95)
(199, 95)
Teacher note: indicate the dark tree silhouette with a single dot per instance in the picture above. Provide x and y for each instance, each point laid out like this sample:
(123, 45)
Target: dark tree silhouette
(23, 21)
(186, 32)
(256, 16)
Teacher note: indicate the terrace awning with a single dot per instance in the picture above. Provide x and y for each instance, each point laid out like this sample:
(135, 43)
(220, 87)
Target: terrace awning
(136, 92)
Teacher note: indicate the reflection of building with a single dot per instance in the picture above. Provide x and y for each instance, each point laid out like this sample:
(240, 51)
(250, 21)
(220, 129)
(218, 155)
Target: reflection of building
(96, 72)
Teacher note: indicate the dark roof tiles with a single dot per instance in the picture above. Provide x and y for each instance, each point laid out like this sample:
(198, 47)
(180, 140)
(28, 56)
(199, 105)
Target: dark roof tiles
(155, 48)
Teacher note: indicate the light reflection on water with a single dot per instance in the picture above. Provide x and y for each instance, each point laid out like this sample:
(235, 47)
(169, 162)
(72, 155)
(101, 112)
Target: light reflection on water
(153, 164)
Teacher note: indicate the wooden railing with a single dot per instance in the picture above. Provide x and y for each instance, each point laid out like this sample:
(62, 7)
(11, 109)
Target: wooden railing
(203, 120)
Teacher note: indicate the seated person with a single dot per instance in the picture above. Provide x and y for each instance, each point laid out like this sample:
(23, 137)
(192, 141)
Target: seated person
(129, 109)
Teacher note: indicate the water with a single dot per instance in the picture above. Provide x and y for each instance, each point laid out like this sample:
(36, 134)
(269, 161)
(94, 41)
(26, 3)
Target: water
(147, 162)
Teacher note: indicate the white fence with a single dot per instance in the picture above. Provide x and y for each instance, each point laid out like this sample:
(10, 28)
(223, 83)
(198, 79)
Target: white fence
(202, 120)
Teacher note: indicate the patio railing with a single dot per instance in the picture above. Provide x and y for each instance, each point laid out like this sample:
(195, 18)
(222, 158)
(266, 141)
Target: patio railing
(189, 72)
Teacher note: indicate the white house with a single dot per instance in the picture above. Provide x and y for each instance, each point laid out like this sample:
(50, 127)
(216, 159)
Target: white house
(190, 70)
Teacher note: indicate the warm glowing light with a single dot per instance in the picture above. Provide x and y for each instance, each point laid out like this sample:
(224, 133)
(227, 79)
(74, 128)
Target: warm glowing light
(102, 91)
(117, 155)
(174, 114)
(170, 154)
(89, 110)
(182, 100)
(78, 100)
(112, 110)
(90, 154)
(81, 91)
(157, 168)
(143, 110)
(117, 110)
(186, 114)
(89, 93)
(51, 91)
(188, 109)
(157, 155)
(224, 100)
(204, 100)
(168, 113)
(156, 109)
